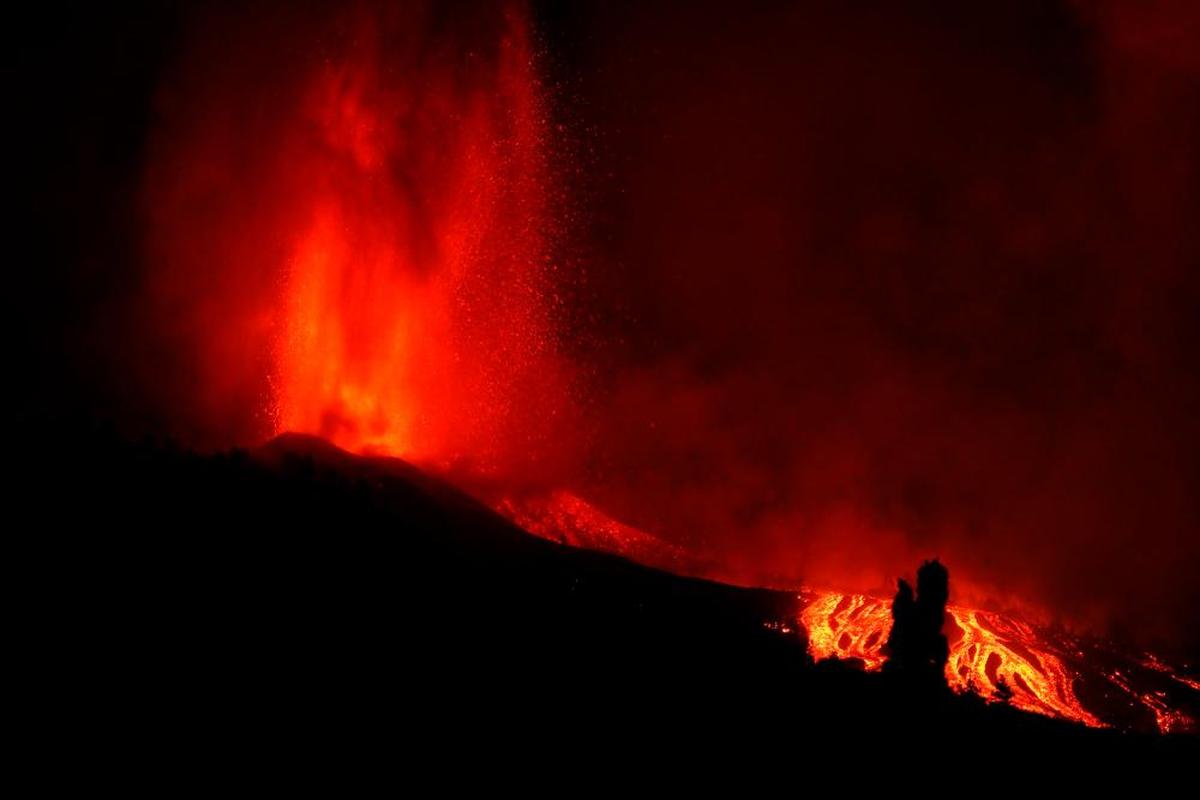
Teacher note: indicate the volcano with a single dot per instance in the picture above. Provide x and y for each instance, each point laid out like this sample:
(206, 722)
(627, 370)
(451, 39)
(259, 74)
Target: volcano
(430, 369)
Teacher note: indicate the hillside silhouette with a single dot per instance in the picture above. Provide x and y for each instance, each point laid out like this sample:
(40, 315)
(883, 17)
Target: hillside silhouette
(273, 597)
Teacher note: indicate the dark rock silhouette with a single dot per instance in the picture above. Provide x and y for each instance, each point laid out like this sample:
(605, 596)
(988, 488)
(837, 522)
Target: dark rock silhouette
(916, 646)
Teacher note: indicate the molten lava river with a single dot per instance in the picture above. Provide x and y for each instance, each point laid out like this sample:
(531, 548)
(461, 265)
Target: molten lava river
(990, 653)
(998, 655)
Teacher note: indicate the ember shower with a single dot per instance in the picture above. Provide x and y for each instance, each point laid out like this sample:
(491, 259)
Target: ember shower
(839, 292)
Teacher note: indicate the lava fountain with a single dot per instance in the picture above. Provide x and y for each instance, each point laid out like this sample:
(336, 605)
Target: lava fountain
(413, 303)
(362, 238)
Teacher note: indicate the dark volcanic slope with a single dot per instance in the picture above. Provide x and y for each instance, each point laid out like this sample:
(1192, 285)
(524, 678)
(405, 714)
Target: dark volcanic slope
(299, 594)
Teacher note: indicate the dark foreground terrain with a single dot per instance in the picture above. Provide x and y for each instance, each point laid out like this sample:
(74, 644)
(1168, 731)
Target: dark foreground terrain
(297, 602)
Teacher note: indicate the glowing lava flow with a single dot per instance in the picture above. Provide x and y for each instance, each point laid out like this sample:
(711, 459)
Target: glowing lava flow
(994, 651)
(987, 651)
(847, 626)
(997, 656)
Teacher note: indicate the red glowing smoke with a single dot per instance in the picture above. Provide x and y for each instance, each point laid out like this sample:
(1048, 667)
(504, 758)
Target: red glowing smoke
(907, 281)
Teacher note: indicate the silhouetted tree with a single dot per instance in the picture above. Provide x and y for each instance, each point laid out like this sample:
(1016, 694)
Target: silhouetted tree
(916, 647)
(904, 611)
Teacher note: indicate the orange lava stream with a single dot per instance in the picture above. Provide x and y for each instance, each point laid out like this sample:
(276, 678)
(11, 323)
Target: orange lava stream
(987, 652)
(847, 626)
(997, 650)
